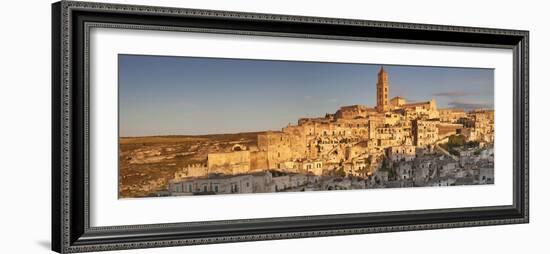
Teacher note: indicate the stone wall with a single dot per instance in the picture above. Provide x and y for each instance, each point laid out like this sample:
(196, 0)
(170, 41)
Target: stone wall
(258, 160)
(229, 163)
(277, 147)
(447, 129)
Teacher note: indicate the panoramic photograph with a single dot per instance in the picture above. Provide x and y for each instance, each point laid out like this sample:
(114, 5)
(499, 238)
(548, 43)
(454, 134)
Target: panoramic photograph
(212, 126)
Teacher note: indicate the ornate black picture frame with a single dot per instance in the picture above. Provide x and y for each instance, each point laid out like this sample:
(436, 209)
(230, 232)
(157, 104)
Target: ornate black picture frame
(71, 230)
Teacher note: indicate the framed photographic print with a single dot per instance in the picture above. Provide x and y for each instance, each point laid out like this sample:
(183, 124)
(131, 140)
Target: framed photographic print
(181, 126)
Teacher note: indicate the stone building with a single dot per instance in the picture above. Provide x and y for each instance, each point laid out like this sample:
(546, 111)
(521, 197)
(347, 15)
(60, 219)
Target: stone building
(451, 115)
(314, 167)
(486, 175)
(405, 171)
(192, 170)
(214, 184)
(425, 132)
(401, 153)
(421, 110)
(235, 162)
(397, 102)
(478, 126)
(352, 112)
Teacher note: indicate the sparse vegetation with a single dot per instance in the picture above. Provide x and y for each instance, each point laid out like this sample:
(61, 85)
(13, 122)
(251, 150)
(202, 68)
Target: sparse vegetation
(340, 172)
(456, 141)
(147, 163)
(472, 144)
(454, 152)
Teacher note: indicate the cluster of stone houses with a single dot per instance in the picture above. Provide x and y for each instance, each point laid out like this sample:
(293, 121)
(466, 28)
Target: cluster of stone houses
(356, 139)
(257, 182)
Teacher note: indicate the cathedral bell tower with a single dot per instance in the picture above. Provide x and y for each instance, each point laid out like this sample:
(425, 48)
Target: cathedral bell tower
(382, 91)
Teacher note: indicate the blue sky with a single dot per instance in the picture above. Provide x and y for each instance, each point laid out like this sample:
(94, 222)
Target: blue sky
(160, 95)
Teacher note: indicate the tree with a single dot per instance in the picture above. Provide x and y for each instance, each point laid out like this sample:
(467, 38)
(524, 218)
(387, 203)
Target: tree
(341, 172)
(454, 152)
(472, 144)
(456, 141)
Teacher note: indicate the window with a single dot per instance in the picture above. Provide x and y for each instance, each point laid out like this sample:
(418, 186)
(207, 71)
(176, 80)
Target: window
(216, 188)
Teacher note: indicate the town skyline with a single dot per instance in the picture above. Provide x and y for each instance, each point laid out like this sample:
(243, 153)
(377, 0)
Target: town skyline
(394, 143)
(195, 103)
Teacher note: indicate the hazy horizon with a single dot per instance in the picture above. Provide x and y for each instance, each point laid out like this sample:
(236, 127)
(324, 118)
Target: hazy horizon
(190, 96)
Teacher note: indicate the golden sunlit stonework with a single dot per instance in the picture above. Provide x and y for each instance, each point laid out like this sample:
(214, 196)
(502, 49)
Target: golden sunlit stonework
(394, 144)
